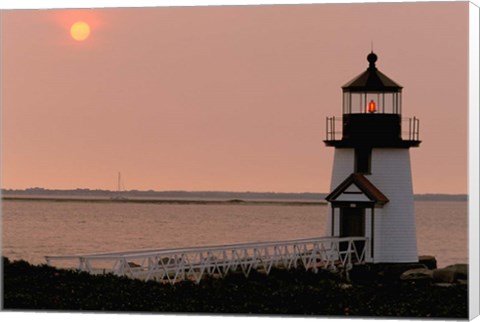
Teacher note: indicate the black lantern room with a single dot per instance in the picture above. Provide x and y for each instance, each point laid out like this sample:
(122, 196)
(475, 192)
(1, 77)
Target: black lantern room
(372, 113)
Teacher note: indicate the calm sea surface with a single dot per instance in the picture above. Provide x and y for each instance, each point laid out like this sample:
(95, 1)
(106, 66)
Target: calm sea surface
(33, 229)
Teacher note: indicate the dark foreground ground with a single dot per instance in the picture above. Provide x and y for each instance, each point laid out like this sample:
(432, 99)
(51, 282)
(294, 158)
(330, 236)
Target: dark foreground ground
(292, 292)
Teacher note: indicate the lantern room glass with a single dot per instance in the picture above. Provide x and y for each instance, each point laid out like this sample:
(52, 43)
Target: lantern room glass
(383, 102)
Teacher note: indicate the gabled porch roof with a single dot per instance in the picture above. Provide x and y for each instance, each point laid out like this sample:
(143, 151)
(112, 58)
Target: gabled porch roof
(357, 188)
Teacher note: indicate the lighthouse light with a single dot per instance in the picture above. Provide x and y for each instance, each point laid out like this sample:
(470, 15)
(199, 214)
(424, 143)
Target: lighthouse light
(372, 107)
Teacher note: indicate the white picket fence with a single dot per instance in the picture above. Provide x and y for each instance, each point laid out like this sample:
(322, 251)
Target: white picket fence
(174, 265)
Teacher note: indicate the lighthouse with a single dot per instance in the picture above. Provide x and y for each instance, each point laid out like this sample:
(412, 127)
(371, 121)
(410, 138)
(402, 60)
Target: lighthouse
(371, 193)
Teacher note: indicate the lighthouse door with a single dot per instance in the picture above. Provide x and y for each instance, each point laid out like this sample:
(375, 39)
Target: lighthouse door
(352, 224)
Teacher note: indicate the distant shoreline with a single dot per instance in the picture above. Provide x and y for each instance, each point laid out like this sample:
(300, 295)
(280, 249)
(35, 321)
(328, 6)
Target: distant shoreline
(187, 201)
(168, 201)
(194, 197)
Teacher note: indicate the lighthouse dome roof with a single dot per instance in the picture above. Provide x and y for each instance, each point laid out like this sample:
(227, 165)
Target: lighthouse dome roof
(372, 80)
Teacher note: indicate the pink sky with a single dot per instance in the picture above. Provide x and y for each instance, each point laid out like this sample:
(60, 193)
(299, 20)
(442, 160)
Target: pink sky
(222, 98)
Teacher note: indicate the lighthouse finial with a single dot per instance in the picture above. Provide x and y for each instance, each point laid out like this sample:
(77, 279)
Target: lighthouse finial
(372, 58)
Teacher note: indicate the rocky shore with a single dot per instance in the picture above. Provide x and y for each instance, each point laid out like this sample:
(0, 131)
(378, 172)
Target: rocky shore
(425, 271)
(373, 291)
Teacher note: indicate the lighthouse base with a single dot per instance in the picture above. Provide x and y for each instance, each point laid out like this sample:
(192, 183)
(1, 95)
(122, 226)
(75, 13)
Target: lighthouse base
(389, 225)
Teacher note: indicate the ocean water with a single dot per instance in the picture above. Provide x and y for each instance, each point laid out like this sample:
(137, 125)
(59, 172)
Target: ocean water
(34, 229)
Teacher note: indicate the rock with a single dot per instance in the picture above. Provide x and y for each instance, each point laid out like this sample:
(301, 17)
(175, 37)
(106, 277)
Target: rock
(451, 273)
(394, 271)
(460, 269)
(381, 272)
(444, 275)
(417, 274)
(429, 261)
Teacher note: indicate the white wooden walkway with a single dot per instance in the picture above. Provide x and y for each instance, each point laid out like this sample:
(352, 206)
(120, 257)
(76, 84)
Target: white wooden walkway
(194, 263)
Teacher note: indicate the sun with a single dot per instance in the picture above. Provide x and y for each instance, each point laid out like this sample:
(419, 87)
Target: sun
(80, 30)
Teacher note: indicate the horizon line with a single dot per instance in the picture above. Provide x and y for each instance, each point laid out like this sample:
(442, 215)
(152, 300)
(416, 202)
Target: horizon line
(203, 191)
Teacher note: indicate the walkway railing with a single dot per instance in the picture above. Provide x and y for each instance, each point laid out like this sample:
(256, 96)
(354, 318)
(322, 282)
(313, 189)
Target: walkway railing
(173, 265)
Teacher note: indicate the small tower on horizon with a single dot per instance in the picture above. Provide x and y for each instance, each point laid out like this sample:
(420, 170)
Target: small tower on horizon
(371, 187)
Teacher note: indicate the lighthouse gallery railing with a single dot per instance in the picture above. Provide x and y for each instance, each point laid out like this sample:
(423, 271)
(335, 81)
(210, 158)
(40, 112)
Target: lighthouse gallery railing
(410, 128)
(173, 265)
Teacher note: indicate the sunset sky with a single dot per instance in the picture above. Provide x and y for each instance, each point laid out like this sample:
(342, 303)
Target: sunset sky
(222, 98)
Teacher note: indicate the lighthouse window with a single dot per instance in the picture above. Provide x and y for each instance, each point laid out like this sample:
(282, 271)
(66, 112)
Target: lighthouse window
(360, 102)
(363, 158)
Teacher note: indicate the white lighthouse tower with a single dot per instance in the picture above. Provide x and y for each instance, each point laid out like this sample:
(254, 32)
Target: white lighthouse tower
(371, 187)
